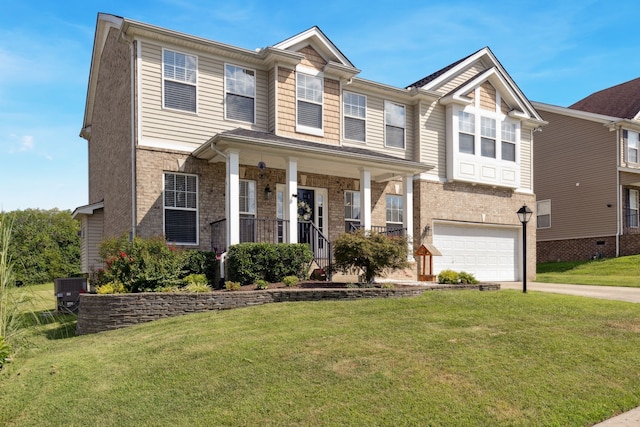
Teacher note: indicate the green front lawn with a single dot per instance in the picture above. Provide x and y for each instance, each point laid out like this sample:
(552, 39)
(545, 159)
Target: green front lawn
(447, 358)
(622, 271)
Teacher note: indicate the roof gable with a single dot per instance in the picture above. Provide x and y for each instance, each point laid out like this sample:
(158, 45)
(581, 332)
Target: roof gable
(621, 101)
(315, 38)
(474, 70)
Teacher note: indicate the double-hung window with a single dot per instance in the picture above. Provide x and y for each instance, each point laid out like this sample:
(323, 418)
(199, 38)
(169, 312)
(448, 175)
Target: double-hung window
(355, 109)
(543, 214)
(181, 208)
(180, 73)
(632, 146)
(394, 124)
(508, 141)
(247, 208)
(466, 132)
(488, 137)
(240, 93)
(395, 212)
(632, 208)
(351, 210)
(309, 92)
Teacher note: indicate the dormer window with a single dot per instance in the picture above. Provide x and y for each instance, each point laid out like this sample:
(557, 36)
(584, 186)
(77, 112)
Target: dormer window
(466, 136)
(309, 93)
(488, 137)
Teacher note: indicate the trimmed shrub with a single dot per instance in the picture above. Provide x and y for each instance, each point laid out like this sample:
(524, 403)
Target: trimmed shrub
(196, 287)
(111, 288)
(372, 253)
(232, 286)
(290, 281)
(449, 277)
(467, 278)
(249, 262)
(202, 262)
(195, 280)
(262, 284)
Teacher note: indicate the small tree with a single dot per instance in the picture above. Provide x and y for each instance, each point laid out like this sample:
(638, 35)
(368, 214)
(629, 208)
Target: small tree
(372, 252)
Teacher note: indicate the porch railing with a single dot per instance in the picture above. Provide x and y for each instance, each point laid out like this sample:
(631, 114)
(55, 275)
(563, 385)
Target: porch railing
(251, 230)
(319, 244)
(390, 231)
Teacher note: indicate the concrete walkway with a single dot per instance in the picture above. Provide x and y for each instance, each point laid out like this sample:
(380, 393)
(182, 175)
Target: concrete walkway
(630, 418)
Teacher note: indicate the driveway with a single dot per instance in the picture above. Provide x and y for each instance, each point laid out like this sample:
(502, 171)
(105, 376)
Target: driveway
(618, 293)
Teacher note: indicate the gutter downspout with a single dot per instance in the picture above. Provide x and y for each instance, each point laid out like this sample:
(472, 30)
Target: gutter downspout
(132, 49)
(619, 191)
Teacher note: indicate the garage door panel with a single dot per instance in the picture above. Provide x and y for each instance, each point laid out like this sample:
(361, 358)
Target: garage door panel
(489, 253)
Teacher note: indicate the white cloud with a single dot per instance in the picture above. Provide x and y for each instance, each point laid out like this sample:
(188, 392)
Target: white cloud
(26, 143)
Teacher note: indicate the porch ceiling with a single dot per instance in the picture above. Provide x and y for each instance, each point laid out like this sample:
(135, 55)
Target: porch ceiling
(312, 157)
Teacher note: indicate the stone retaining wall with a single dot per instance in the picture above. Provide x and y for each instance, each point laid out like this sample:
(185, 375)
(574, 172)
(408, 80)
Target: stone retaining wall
(99, 313)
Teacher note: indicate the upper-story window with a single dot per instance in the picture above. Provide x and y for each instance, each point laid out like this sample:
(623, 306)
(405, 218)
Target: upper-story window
(631, 139)
(355, 113)
(488, 137)
(181, 208)
(467, 130)
(394, 124)
(180, 75)
(509, 141)
(240, 93)
(309, 93)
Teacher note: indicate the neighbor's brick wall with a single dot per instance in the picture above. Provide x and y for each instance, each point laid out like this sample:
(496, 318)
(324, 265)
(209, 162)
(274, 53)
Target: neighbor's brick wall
(455, 201)
(587, 248)
(100, 313)
(109, 148)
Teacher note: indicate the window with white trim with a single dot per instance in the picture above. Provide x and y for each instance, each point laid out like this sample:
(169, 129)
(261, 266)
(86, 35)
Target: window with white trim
(543, 213)
(631, 139)
(180, 75)
(394, 124)
(488, 137)
(247, 197)
(240, 93)
(632, 208)
(355, 113)
(309, 93)
(351, 210)
(181, 208)
(508, 141)
(395, 212)
(467, 131)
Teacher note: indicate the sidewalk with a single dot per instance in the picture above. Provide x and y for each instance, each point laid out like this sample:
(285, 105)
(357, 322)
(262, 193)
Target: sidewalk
(627, 419)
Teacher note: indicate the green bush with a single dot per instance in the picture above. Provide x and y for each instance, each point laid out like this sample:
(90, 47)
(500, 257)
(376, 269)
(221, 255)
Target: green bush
(196, 287)
(372, 253)
(111, 288)
(143, 265)
(262, 284)
(449, 277)
(467, 278)
(195, 280)
(202, 262)
(232, 286)
(248, 262)
(290, 280)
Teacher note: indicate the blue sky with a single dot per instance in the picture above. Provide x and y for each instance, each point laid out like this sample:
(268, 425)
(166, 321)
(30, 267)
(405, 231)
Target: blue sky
(557, 52)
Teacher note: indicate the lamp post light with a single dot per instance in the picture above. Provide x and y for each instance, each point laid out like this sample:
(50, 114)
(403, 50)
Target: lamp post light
(524, 215)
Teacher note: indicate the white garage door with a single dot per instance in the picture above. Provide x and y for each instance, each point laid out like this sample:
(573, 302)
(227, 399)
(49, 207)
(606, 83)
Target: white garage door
(489, 253)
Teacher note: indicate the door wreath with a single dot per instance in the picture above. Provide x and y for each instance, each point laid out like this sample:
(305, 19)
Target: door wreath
(304, 211)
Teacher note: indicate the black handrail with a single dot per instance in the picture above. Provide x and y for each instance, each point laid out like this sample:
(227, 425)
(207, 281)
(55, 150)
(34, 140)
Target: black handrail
(319, 244)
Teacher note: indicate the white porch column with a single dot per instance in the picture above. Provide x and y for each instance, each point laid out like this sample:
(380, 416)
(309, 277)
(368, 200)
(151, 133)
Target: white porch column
(365, 199)
(232, 202)
(407, 221)
(291, 195)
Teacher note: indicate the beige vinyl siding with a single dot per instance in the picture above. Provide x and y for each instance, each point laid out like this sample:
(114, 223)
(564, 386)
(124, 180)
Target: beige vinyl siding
(189, 128)
(375, 128)
(575, 167)
(475, 69)
(272, 84)
(92, 236)
(433, 144)
(526, 161)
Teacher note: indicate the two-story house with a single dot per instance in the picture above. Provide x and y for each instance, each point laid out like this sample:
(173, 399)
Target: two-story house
(211, 145)
(587, 176)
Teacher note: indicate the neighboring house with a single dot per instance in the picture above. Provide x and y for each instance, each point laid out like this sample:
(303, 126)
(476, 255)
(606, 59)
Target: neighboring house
(211, 145)
(587, 176)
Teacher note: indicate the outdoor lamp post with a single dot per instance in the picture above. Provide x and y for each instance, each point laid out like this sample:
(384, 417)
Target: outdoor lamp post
(524, 215)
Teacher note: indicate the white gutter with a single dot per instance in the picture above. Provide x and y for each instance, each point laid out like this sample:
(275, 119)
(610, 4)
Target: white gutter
(134, 70)
(619, 195)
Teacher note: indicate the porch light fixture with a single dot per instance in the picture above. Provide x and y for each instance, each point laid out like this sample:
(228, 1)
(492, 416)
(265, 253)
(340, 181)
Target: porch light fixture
(524, 215)
(267, 192)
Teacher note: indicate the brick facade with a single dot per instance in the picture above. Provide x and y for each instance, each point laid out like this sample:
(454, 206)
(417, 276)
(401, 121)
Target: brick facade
(587, 248)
